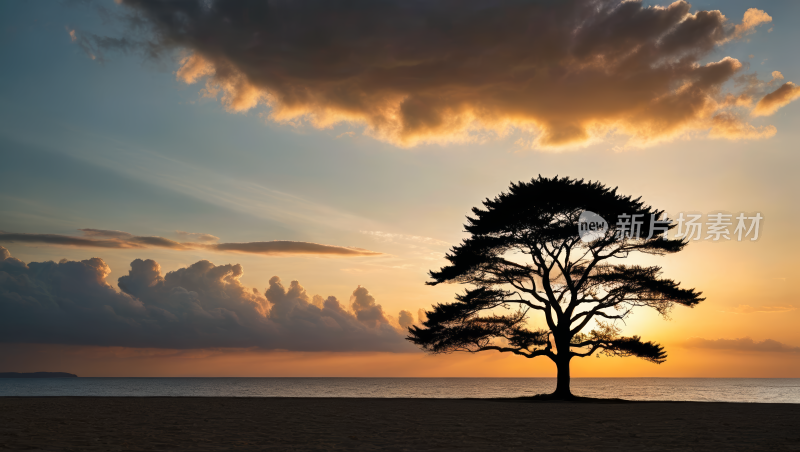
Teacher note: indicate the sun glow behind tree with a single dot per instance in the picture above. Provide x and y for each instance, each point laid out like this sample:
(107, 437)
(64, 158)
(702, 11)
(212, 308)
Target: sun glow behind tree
(566, 279)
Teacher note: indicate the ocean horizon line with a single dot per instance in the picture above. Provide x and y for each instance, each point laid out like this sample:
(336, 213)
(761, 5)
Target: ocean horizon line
(449, 378)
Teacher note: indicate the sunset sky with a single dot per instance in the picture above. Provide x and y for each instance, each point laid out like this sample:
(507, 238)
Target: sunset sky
(292, 171)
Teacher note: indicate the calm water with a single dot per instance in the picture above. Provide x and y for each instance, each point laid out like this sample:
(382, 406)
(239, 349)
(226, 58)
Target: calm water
(780, 390)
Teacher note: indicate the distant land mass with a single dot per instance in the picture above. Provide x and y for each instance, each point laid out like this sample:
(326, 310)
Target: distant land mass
(37, 375)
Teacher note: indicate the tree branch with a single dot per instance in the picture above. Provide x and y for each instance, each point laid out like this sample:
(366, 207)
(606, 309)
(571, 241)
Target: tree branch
(517, 351)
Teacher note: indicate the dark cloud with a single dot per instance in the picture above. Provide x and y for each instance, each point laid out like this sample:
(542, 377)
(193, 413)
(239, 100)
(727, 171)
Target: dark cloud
(742, 344)
(367, 311)
(100, 238)
(57, 239)
(443, 70)
(311, 324)
(201, 306)
(94, 239)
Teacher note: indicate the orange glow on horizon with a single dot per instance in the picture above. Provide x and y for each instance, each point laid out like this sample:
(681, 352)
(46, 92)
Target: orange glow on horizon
(128, 362)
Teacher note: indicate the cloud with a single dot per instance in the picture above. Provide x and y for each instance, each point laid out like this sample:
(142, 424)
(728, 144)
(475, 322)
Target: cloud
(308, 321)
(753, 17)
(95, 238)
(409, 72)
(201, 306)
(159, 242)
(279, 247)
(100, 238)
(406, 319)
(196, 237)
(113, 234)
(57, 239)
(728, 125)
(367, 311)
(773, 101)
(422, 315)
(747, 309)
(742, 344)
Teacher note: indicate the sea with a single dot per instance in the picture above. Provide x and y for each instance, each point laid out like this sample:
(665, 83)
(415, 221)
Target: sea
(755, 390)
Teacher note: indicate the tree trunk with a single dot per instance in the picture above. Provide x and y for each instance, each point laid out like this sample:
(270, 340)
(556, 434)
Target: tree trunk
(562, 385)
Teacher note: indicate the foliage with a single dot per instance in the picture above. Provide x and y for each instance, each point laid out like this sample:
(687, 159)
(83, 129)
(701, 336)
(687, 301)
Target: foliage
(524, 255)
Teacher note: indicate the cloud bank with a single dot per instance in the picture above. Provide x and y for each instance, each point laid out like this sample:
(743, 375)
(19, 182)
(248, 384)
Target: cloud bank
(741, 344)
(99, 238)
(201, 306)
(568, 72)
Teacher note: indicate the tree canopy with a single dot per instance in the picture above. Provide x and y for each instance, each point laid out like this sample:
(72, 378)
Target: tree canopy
(524, 255)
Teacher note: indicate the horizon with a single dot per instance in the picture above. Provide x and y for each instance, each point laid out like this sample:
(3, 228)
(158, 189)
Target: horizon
(438, 378)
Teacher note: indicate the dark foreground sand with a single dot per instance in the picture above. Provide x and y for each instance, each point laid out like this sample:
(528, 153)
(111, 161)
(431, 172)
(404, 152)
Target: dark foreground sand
(56, 423)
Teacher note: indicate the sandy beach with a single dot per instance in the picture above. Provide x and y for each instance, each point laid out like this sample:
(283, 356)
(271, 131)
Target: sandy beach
(95, 424)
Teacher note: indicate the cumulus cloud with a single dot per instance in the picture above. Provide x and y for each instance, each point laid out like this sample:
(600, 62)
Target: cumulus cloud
(101, 238)
(367, 311)
(201, 306)
(566, 72)
(773, 101)
(314, 323)
(406, 319)
(742, 344)
(753, 17)
(422, 315)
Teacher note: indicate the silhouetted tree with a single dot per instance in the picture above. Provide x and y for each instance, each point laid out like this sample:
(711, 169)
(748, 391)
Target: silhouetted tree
(525, 255)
